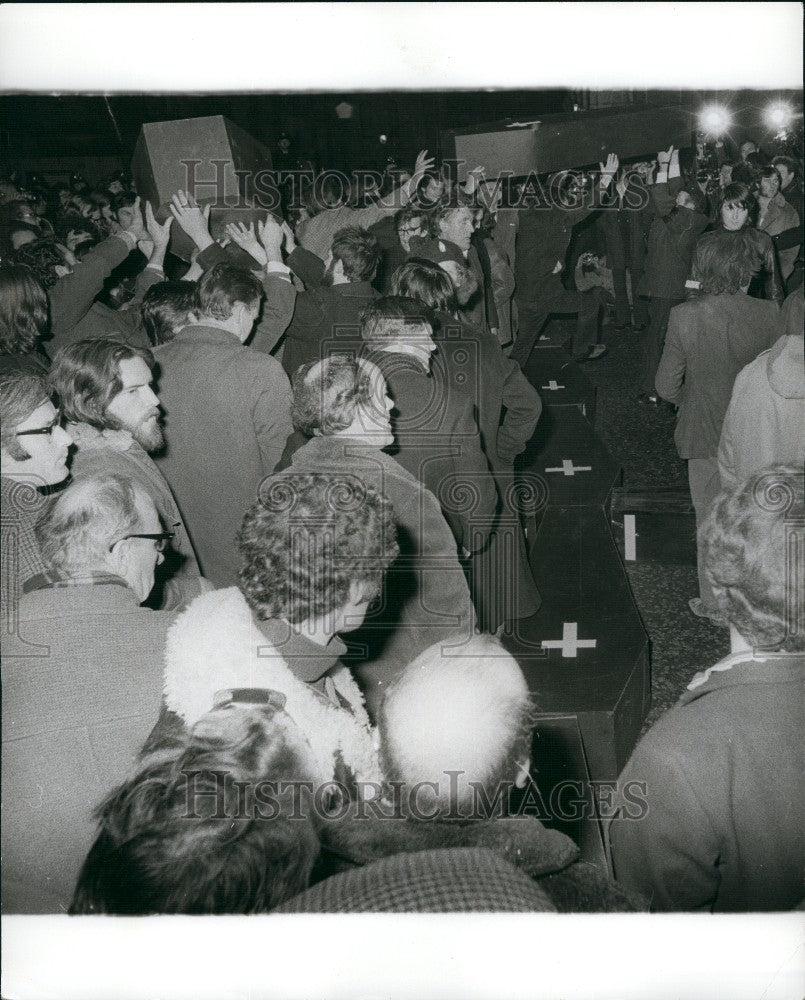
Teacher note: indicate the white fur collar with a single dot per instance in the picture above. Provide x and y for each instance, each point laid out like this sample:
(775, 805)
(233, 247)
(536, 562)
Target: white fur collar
(216, 644)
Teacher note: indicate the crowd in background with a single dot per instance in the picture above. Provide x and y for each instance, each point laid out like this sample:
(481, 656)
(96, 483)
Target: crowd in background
(260, 519)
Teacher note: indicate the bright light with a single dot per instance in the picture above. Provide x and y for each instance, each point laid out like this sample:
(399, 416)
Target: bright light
(383, 139)
(779, 116)
(714, 120)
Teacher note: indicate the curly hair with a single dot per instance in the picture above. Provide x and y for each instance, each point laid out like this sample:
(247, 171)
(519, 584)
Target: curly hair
(209, 824)
(308, 539)
(41, 257)
(754, 559)
(86, 378)
(327, 393)
(23, 310)
(725, 262)
(455, 201)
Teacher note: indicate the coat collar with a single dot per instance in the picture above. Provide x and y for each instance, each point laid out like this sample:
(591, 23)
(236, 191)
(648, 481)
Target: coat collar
(202, 334)
(308, 661)
(746, 667)
(87, 437)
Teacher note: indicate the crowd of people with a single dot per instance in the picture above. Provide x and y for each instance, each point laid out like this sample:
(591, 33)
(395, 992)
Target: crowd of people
(262, 535)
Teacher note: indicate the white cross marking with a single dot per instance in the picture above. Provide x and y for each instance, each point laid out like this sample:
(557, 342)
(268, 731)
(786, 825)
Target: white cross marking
(569, 469)
(570, 642)
(552, 385)
(543, 337)
(629, 538)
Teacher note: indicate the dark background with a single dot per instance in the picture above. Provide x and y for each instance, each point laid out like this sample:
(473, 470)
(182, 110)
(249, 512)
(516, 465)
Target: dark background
(57, 134)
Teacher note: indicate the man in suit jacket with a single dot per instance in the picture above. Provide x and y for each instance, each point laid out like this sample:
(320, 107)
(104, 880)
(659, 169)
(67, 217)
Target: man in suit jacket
(82, 684)
(337, 291)
(227, 416)
(710, 339)
(435, 428)
(106, 394)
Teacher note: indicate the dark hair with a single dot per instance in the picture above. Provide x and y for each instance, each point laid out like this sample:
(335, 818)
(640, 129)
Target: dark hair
(328, 190)
(407, 214)
(41, 258)
(326, 394)
(357, 249)
(770, 171)
(165, 306)
(23, 310)
(383, 319)
(758, 159)
(737, 193)
(789, 163)
(426, 282)
(121, 200)
(194, 831)
(68, 222)
(725, 262)
(86, 378)
(20, 394)
(452, 203)
(308, 539)
(222, 287)
(7, 231)
(751, 559)
(743, 173)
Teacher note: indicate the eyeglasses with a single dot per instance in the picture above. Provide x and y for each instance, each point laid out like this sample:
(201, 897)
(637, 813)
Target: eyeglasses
(161, 539)
(51, 427)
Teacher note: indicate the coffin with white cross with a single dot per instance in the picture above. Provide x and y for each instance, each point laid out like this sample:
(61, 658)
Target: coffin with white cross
(560, 381)
(567, 457)
(585, 652)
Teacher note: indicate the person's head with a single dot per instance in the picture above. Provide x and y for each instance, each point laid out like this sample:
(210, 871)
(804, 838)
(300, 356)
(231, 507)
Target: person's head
(408, 222)
(743, 173)
(747, 147)
(328, 190)
(354, 256)
(8, 191)
(314, 551)
(453, 221)
(72, 230)
(788, 169)
(736, 206)
(751, 558)
(770, 182)
(685, 200)
(426, 282)
(108, 385)
(485, 736)
(20, 211)
(33, 444)
(429, 190)
(44, 259)
(23, 310)
(122, 206)
(167, 308)
(220, 821)
(104, 524)
(725, 174)
(342, 396)
(724, 264)
(757, 160)
(399, 325)
(229, 297)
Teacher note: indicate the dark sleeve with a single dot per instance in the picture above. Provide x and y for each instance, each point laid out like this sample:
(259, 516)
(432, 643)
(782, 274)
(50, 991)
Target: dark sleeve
(72, 296)
(523, 409)
(307, 266)
(278, 308)
(773, 283)
(212, 255)
(468, 497)
(788, 239)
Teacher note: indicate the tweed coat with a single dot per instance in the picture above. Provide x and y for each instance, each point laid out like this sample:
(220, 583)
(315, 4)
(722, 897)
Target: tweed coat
(227, 418)
(82, 686)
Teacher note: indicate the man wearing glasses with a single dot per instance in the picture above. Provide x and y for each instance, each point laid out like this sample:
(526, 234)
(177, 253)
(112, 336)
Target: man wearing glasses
(82, 683)
(33, 458)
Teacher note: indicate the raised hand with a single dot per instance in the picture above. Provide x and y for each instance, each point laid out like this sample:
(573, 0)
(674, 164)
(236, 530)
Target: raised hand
(423, 164)
(194, 221)
(159, 234)
(609, 169)
(270, 233)
(136, 227)
(474, 178)
(664, 156)
(289, 238)
(246, 239)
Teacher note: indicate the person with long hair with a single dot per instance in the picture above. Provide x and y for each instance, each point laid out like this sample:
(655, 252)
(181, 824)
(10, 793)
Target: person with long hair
(24, 321)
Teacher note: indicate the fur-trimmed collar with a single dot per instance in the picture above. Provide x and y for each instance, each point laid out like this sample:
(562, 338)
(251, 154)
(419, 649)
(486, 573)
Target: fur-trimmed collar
(217, 644)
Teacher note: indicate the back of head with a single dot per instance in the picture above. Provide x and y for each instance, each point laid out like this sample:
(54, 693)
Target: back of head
(390, 318)
(725, 262)
(753, 556)
(23, 310)
(308, 539)
(358, 251)
(221, 288)
(425, 282)
(166, 308)
(210, 824)
(77, 532)
(20, 395)
(41, 257)
(465, 710)
(327, 393)
(86, 377)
